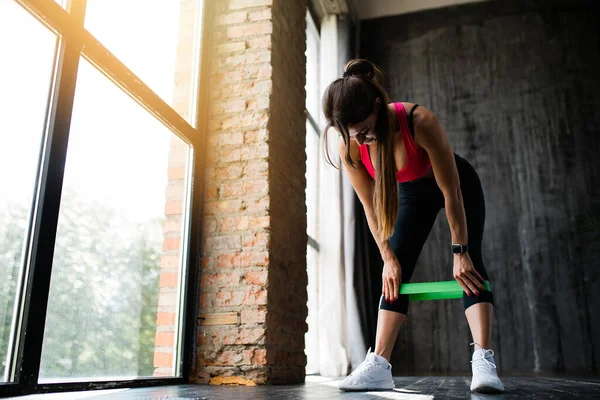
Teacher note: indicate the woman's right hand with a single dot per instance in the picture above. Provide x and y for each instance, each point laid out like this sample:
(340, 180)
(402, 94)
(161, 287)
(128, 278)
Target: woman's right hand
(392, 277)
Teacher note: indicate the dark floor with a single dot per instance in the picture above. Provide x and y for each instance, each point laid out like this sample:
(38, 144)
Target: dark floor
(407, 388)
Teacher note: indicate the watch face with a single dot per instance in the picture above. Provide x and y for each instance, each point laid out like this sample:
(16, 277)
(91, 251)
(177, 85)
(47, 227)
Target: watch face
(457, 248)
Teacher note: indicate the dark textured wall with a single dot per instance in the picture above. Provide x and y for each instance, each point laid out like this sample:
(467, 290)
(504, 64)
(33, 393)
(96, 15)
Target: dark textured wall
(517, 86)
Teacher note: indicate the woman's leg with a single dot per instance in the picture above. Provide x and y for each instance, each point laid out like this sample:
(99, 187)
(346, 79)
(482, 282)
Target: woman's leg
(478, 309)
(420, 203)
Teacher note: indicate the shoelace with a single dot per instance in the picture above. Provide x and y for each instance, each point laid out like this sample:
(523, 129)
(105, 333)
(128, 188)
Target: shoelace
(482, 363)
(364, 366)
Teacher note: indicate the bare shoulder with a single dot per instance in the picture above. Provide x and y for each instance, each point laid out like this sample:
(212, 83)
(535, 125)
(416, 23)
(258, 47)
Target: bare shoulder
(421, 113)
(424, 121)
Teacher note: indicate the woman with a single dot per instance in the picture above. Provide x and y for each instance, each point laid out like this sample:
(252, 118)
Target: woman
(403, 169)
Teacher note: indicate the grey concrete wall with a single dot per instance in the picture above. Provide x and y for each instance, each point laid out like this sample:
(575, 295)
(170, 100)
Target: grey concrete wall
(517, 86)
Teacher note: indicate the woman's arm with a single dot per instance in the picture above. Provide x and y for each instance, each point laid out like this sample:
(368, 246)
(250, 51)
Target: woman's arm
(363, 185)
(431, 135)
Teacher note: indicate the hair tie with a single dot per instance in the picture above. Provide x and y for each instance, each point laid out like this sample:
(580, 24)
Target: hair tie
(346, 74)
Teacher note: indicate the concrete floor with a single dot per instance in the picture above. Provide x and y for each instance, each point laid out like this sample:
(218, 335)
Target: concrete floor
(316, 387)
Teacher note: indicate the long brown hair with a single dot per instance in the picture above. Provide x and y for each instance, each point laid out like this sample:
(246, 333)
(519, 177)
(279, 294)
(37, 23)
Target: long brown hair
(350, 100)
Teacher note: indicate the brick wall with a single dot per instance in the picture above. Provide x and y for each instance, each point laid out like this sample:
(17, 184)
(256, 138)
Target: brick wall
(253, 276)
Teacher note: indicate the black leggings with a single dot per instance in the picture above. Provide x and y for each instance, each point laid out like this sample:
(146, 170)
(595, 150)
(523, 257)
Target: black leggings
(419, 204)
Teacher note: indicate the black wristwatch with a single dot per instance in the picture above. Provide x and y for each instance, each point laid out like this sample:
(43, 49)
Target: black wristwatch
(460, 248)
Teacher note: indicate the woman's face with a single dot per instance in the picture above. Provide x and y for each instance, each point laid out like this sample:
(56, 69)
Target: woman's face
(364, 131)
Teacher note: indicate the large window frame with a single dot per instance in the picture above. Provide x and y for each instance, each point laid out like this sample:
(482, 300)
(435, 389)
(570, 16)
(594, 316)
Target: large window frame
(74, 42)
(313, 134)
(313, 121)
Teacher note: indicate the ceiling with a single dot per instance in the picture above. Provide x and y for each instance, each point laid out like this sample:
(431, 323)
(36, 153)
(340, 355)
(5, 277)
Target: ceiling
(368, 9)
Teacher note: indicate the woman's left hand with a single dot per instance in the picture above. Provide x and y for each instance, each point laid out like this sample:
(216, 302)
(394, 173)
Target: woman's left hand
(466, 275)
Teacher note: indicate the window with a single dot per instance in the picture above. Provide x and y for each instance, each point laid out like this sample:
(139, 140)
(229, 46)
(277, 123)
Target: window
(98, 117)
(312, 186)
(20, 144)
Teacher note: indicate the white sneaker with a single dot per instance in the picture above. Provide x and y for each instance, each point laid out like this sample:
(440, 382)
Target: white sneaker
(485, 377)
(375, 373)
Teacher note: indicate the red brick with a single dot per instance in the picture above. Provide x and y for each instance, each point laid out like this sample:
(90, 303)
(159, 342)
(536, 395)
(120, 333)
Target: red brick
(237, 60)
(165, 318)
(258, 278)
(244, 188)
(230, 357)
(238, 4)
(169, 279)
(175, 190)
(229, 260)
(164, 339)
(229, 106)
(259, 222)
(260, 42)
(230, 242)
(171, 243)
(257, 205)
(250, 88)
(176, 173)
(210, 225)
(170, 261)
(172, 225)
(208, 262)
(243, 259)
(223, 206)
(255, 297)
(249, 30)
(253, 316)
(227, 139)
(232, 18)
(259, 104)
(167, 299)
(230, 172)
(259, 357)
(257, 136)
(222, 279)
(173, 207)
(212, 192)
(252, 259)
(242, 336)
(259, 151)
(256, 168)
(256, 239)
(231, 47)
(234, 224)
(246, 121)
(163, 359)
(260, 15)
(229, 155)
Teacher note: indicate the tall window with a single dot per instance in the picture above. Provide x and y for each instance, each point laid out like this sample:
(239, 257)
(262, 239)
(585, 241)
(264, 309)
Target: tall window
(98, 132)
(313, 131)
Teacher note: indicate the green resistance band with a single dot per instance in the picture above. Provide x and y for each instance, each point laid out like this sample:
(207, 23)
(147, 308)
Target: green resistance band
(435, 290)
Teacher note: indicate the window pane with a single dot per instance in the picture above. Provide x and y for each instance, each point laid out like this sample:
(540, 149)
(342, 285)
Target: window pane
(27, 49)
(312, 180)
(114, 291)
(158, 40)
(312, 69)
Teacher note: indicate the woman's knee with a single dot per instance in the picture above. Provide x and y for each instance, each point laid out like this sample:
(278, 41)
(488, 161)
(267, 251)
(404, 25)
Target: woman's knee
(485, 296)
(399, 306)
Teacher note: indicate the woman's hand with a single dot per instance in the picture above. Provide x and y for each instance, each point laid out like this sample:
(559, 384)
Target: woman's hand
(466, 275)
(392, 277)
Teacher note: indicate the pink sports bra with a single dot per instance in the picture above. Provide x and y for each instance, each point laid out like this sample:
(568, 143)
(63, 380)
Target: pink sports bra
(417, 159)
